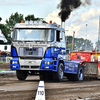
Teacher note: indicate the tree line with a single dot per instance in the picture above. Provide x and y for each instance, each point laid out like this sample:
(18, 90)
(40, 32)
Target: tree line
(12, 20)
(79, 43)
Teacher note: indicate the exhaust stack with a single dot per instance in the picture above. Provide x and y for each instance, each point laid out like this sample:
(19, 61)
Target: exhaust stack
(62, 24)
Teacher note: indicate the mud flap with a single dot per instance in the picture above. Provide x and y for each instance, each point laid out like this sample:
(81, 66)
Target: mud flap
(91, 68)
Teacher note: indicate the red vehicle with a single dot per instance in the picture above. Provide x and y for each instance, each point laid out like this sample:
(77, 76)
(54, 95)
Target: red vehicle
(91, 60)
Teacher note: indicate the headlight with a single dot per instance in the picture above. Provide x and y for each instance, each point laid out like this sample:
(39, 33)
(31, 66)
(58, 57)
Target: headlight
(14, 66)
(48, 63)
(14, 62)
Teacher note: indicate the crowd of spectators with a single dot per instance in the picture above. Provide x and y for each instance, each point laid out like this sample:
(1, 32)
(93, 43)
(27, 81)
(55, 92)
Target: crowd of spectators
(5, 53)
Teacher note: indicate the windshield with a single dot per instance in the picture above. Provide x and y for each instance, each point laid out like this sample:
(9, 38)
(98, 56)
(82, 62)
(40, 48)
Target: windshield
(33, 35)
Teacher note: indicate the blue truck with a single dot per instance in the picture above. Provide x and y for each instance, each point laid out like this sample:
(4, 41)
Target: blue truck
(39, 48)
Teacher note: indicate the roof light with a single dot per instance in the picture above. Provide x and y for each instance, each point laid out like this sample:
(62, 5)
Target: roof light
(22, 21)
(26, 22)
(40, 22)
(35, 22)
(50, 22)
(31, 22)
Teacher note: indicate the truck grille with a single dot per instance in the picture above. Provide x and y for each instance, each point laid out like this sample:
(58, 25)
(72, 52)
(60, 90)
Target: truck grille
(33, 52)
(29, 66)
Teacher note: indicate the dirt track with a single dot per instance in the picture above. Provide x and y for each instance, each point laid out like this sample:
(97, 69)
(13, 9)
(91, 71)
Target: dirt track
(4, 66)
(13, 89)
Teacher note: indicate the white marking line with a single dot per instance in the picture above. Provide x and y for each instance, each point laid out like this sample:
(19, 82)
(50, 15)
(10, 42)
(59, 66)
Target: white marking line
(7, 72)
(40, 92)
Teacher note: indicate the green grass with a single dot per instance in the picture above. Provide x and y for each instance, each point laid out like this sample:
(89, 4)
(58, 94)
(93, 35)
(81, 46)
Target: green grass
(4, 69)
(4, 63)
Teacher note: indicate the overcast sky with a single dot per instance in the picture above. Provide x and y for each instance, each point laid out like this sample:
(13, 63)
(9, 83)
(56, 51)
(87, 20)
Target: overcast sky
(47, 9)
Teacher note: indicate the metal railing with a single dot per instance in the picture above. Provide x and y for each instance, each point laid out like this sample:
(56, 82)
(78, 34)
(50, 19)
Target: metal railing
(4, 59)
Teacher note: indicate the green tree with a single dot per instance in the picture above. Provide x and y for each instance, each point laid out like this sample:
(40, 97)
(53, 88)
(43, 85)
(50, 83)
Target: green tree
(89, 45)
(79, 43)
(13, 19)
(0, 18)
(69, 46)
(32, 17)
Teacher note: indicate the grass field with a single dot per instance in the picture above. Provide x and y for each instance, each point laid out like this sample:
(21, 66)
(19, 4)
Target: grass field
(4, 69)
(4, 63)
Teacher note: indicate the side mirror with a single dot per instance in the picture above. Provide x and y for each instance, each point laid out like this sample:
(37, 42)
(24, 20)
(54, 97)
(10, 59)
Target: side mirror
(5, 47)
(61, 35)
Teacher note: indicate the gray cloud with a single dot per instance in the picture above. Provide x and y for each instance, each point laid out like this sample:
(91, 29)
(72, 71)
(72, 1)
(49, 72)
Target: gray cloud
(77, 22)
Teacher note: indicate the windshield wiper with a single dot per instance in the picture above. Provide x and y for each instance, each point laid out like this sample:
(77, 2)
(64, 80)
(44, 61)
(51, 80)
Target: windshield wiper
(27, 41)
(39, 41)
(17, 41)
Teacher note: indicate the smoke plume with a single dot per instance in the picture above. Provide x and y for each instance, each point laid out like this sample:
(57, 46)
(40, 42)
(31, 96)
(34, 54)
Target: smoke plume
(67, 6)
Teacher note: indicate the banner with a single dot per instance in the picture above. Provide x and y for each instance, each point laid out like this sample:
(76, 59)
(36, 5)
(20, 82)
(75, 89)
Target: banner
(2, 37)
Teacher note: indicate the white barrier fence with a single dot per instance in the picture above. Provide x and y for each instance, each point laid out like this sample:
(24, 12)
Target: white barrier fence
(4, 59)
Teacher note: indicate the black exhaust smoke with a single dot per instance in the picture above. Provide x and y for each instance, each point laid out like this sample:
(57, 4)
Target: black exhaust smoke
(67, 6)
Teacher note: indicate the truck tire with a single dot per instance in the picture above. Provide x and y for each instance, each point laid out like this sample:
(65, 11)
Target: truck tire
(58, 76)
(21, 75)
(80, 74)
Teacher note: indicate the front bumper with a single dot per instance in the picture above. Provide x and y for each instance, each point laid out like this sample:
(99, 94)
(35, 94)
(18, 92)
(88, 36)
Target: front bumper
(29, 64)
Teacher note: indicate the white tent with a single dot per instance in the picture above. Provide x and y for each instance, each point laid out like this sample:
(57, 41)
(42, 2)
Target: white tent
(2, 37)
(8, 47)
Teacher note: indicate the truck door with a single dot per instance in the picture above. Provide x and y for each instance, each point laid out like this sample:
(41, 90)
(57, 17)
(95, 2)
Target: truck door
(58, 43)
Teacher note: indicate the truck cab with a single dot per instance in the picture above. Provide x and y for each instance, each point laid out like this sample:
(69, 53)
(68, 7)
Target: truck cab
(38, 48)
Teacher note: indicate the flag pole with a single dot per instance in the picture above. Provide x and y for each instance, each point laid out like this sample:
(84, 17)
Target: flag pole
(73, 40)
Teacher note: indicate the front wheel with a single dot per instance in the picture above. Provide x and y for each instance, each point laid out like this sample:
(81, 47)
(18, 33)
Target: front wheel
(58, 76)
(21, 75)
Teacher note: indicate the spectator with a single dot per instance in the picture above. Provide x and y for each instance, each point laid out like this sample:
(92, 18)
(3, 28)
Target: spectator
(6, 53)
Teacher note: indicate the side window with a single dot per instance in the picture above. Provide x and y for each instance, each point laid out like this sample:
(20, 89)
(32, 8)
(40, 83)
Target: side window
(63, 37)
(58, 36)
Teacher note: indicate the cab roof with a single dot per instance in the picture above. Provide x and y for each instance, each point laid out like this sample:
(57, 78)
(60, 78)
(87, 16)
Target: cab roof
(38, 24)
